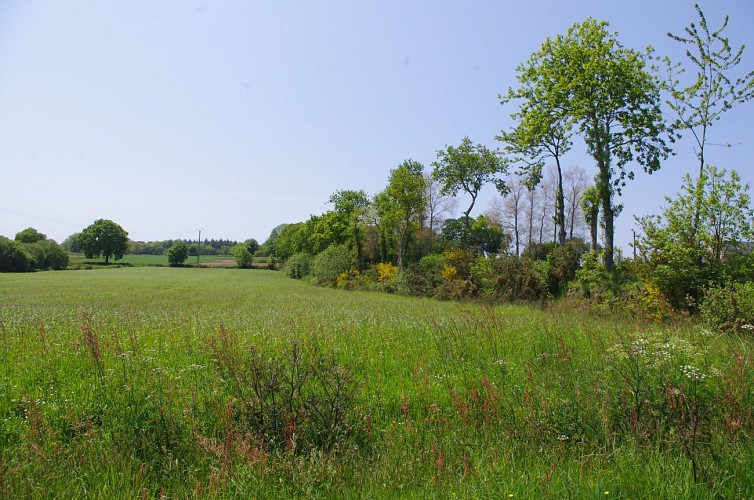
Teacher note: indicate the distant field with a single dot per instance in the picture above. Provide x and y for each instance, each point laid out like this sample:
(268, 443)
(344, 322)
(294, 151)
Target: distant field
(144, 260)
(183, 382)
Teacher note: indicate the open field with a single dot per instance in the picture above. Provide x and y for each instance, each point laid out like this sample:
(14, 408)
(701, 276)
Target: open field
(139, 260)
(143, 381)
(78, 259)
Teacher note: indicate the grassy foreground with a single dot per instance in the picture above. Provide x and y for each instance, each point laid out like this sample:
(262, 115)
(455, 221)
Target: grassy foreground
(147, 382)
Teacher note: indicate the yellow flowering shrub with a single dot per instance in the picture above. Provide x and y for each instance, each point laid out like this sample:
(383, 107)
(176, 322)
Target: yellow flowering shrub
(385, 271)
(449, 273)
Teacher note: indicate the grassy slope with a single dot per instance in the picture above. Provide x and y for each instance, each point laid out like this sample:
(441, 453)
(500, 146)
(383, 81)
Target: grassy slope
(451, 399)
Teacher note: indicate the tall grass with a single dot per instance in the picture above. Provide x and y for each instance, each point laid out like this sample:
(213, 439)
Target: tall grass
(143, 382)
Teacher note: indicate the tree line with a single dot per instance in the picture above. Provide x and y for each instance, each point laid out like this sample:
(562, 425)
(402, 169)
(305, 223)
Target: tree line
(627, 108)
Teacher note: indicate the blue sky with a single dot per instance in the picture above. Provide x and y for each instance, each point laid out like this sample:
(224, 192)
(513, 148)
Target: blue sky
(236, 116)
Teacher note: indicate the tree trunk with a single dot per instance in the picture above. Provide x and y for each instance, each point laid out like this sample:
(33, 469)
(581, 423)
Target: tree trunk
(560, 205)
(608, 214)
(593, 228)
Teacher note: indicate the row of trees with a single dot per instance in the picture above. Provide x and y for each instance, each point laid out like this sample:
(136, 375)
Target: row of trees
(31, 250)
(628, 108)
(205, 247)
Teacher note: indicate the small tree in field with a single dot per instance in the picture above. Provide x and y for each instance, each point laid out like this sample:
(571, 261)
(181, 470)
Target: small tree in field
(177, 254)
(242, 255)
(104, 237)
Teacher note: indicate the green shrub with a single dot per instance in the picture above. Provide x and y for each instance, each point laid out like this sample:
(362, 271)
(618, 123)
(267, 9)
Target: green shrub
(242, 255)
(431, 267)
(177, 254)
(298, 265)
(330, 263)
(515, 279)
(13, 257)
(729, 307)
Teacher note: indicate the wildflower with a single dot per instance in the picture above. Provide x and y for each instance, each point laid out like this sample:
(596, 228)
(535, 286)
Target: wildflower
(638, 346)
(747, 327)
(693, 373)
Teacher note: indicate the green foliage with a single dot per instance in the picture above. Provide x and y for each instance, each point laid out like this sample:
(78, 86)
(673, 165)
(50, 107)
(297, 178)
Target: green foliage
(542, 130)
(242, 255)
(13, 257)
(330, 263)
(252, 245)
(468, 167)
(605, 92)
(431, 267)
(699, 238)
(268, 247)
(143, 248)
(31, 250)
(49, 255)
(177, 254)
(515, 279)
(401, 206)
(71, 243)
(481, 234)
(103, 237)
(298, 265)
(30, 235)
(729, 307)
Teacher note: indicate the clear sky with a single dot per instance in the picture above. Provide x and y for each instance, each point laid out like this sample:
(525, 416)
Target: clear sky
(233, 116)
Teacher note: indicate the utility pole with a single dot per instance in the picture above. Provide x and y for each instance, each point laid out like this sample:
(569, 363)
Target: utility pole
(198, 244)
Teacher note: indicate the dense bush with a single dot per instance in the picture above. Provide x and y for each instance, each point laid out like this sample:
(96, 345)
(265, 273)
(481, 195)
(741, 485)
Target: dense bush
(13, 257)
(22, 257)
(52, 255)
(298, 265)
(177, 254)
(515, 279)
(729, 307)
(242, 255)
(330, 263)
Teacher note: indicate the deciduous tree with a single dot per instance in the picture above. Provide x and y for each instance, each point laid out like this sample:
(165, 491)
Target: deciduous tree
(612, 101)
(468, 167)
(103, 237)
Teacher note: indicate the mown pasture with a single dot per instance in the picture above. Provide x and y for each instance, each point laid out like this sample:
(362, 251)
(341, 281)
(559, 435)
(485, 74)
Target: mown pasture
(144, 382)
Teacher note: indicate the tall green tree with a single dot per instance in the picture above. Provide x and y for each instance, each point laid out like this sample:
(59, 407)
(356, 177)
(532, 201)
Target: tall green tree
(403, 203)
(103, 237)
(613, 102)
(468, 167)
(351, 205)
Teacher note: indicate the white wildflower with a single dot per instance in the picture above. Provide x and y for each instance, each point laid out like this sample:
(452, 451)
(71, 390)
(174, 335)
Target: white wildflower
(693, 373)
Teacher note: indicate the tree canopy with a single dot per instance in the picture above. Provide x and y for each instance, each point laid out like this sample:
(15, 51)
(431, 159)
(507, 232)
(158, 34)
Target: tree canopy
(103, 237)
(605, 91)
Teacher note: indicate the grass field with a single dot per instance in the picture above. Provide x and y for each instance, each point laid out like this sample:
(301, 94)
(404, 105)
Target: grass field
(151, 381)
(141, 260)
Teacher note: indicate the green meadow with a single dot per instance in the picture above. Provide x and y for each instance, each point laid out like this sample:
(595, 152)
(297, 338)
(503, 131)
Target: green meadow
(145, 382)
(131, 260)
